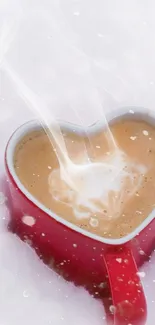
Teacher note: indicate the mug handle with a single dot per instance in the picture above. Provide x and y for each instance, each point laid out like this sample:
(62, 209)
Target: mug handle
(128, 299)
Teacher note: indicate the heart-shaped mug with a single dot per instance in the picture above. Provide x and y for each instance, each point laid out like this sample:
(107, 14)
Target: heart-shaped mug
(104, 265)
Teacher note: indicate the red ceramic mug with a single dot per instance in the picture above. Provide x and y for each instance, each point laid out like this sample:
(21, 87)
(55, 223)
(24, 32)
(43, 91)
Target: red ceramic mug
(104, 265)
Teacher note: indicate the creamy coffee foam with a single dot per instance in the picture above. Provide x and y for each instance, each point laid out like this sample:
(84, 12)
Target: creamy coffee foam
(116, 180)
(111, 202)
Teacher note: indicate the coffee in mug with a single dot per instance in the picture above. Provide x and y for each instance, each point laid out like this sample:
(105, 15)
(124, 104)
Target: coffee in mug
(124, 196)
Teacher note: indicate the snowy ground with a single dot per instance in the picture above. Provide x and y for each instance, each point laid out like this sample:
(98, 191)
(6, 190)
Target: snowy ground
(105, 46)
